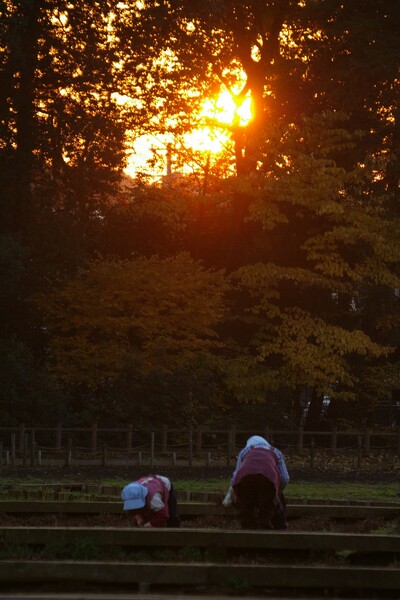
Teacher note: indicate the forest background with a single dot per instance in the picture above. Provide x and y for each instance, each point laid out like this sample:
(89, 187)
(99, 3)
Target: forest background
(246, 284)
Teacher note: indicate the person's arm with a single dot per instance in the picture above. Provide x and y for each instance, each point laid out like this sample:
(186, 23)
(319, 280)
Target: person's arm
(159, 516)
(156, 502)
(239, 461)
(283, 472)
(157, 519)
(139, 520)
(229, 498)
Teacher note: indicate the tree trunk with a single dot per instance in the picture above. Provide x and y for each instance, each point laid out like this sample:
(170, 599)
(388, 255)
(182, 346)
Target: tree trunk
(26, 57)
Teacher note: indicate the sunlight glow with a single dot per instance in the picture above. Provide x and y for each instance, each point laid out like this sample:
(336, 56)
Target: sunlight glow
(224, 109)
(217, 119)
(219, 115)
(206, 140)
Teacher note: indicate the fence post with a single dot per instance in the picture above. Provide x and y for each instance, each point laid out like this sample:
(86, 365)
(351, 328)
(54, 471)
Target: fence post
(33, 443)
(25, 450)
(312, 452)
(367, 445)
(164, 438)
(129, 435)
(199, 439)
(271, 436)
(104, 456)
(152, 437)
(190, 447)
(300, 439)
(334, 439)
(94, 436)
(68, 457)
(231, 445)
(233, 440)
(21, 435)
(58, 435)
(13, 451)
(359, 450)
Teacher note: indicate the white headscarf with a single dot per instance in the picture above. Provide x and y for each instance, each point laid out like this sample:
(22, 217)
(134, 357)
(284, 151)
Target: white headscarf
(256, 441)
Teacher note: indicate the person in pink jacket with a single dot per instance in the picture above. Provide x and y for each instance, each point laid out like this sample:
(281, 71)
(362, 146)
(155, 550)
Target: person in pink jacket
(256, 486)
(151, 501)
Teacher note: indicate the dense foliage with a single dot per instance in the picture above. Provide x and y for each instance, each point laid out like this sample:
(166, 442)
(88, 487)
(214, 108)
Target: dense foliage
(253, 289)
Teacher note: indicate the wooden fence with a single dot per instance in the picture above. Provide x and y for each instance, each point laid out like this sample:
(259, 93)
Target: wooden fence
(29, 445)
(180, 562)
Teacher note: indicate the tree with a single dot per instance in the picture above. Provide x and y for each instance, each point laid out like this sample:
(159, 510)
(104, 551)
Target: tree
(28, 395)
(203, 46)
(64, 129)
(62, 143)
(307, 231)
(159, 314)
(324, 247)
(320, 214)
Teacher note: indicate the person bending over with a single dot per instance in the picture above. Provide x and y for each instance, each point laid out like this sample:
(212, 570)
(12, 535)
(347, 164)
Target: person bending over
(257, 484)
(151, 501)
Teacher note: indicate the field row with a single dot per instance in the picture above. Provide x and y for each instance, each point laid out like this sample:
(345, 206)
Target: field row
(201, 509)
(90, 491)
(245, 561)
(190, 560)
(210, 540)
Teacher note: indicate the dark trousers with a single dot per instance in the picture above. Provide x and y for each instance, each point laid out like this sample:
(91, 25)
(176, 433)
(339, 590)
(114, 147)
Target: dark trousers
(258, 506)
(173, 519)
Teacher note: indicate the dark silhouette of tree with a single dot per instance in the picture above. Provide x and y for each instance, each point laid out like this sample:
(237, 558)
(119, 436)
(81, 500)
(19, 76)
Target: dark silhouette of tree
(306, 230)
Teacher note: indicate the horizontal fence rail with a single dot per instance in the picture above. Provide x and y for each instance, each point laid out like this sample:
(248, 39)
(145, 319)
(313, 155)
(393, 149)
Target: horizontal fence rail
(191, 510)
(212, 560)
(199, 538)
(193, 575)
(33, 446)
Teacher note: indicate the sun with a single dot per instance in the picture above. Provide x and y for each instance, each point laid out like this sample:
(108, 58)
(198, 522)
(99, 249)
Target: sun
(217, 118)
(228, 109)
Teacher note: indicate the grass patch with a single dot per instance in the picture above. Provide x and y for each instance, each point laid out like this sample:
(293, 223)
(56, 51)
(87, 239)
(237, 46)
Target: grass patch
(210, 485)
(16, 552)
(379, 492)
(389, 528)
(340, 490)
(83, 549)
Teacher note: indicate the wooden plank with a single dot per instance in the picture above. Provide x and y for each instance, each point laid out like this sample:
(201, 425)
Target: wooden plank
(133, 596)
(126, 596)
(59, 506)
(343, 512)
(200, 538)
(191, 509)
(194, 574)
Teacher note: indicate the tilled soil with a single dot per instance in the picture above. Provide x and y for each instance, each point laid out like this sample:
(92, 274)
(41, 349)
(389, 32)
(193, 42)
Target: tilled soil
(316, 524)
(100, 474)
